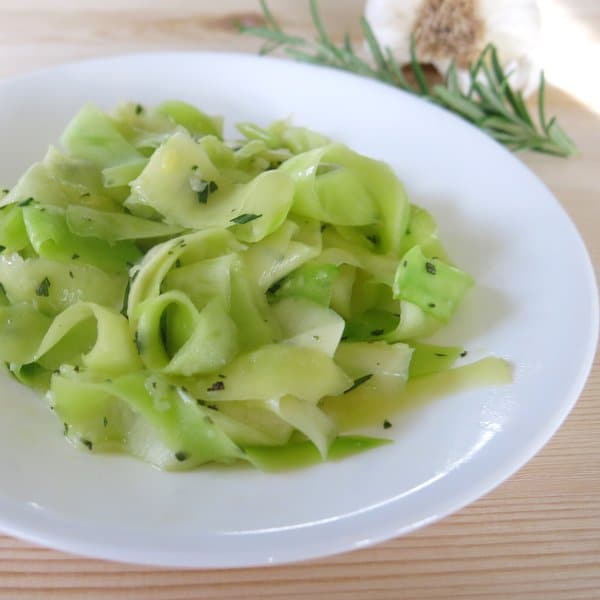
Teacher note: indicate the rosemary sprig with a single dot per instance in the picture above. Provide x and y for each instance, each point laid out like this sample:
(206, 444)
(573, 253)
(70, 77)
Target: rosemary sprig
(490, 103)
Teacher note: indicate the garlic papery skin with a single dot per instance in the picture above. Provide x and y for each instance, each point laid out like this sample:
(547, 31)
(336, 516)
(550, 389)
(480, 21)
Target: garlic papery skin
(447, 31)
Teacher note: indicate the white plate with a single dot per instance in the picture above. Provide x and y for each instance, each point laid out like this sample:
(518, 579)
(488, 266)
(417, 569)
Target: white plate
(535, 304)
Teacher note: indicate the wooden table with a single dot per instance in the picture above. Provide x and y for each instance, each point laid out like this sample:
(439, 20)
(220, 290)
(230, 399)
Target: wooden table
(538, 534)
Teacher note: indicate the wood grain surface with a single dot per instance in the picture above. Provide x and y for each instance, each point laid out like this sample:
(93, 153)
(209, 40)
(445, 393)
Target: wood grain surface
(537, 536)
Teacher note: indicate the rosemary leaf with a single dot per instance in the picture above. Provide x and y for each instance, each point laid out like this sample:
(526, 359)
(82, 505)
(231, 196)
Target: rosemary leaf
(452, 80)
(348, 44)
(541, 102)
(417, 70)
(375, 50)
(268, 15)
(397, 72)
(458, 104)
(300, 55)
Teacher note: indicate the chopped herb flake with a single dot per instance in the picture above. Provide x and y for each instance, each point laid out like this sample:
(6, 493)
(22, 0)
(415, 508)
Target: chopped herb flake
(137, 342)
(405, 263)
(222, 376)
(44, 288)
(126, 298)
(105, 421)
(463, 353)
(85, 195)
(2, 289)
(181, 456)
(2, 248)
(431, 305)
(216, 386)
(71, 275)
(139, 109)
(206, 188)
(377, 332)
(65, 428)
(87, 443)
(358, 382)
(430, 268)
(244, 218)
(273, 289)
(194, 167)
(374, 238)
(26, 202)
(75, 257)
(386, 424)
(440, 354)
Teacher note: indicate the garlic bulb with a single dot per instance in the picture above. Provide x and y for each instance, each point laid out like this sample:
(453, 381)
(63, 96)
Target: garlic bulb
(458, 30)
